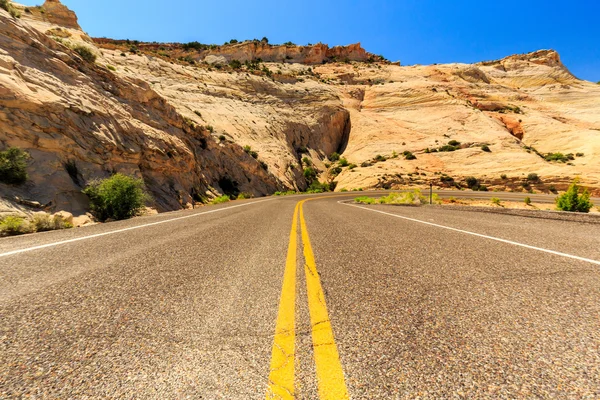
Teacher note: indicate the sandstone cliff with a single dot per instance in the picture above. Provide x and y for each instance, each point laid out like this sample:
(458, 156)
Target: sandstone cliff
(164, 113)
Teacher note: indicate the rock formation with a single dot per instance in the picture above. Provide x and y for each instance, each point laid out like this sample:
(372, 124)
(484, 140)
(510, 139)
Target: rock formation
(193, 129)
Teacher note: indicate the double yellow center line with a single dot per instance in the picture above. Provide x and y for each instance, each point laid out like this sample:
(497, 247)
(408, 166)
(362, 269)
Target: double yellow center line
(330, 377)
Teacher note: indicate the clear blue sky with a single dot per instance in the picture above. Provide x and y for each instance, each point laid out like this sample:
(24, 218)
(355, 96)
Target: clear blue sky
(412, 31)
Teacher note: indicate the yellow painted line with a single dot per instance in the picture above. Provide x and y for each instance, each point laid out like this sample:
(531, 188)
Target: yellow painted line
(281, 377)
(330, 376)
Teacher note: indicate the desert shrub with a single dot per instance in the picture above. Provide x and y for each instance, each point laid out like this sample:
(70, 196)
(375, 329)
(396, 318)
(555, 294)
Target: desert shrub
(336, 171)
(222, 138)
(365, 200)
(117, 197)
(472, 182)
(559, 157)
(533, 177)
(503, 177)
(579, 155)
(198, 113)
(251, 152)
(45, 222)
(486, 148)
(13, 166)
(307, 161)
(380, 158)
(481, 188)
(352, 166)
(263, 165)
(409, 156)
(13, 225)
(333, 157)
(318, 187)
(6, 5)
(572, 201)
(235, 64)
(446, 179)
(85, 53)
(244, 195)
(454, 143)
(447, 148)
(527, 200)
(344, 162)
(210, 128)
(365, 164)
(221, 199)
(310, 174)
(110, 67)
(552, 188)
(496, 201)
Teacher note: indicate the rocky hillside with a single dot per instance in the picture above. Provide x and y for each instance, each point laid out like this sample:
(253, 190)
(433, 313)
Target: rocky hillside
(195, 120)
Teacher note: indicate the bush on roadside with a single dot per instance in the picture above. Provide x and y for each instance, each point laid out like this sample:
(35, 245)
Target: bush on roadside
(118, 197)
(13, 225)
(221, 199)
(572, 201)
(527, 200)
(365, 200)
(13, 166)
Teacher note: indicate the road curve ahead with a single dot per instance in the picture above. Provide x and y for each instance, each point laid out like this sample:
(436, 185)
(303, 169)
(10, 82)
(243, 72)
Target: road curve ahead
(303, 297)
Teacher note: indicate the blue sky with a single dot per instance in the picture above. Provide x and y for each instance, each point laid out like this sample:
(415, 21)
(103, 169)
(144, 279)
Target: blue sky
(412, 31)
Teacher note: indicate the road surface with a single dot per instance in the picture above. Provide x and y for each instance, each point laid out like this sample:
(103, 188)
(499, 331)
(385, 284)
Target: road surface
(305, 297)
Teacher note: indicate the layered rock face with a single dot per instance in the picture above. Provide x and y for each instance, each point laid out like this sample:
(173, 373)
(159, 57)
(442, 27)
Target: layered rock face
(193, 130)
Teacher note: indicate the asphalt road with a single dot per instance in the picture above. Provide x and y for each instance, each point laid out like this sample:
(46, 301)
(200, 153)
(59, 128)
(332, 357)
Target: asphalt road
(361, 302)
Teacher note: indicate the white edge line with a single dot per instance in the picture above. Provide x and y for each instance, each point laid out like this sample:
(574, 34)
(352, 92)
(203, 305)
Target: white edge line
(43, 246)
(557, 253)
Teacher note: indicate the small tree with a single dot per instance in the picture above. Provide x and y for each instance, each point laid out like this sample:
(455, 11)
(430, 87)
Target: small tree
(13, 166)
(572, 201)
(117, 197)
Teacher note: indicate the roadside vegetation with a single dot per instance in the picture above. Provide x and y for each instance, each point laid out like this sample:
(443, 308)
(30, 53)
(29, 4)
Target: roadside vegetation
(415, 197)
(40, 222)
(221, 199)
(13, 166)
(118, 197)
(574, 201)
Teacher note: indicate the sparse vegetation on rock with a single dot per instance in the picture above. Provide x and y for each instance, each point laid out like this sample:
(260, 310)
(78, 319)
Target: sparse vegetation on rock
(86, 53)
(6, 5)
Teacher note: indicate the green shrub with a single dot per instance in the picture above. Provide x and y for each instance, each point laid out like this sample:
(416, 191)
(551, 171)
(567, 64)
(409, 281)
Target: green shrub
(13, 166)
(380, 158)
(365, 164)
(13, 225)
(559, 157)
(222, 138)
(533, 177)
(447, 148)
(486, 148)
(472, 182)
(454, 143)
(496, 201)
(352, 166)
(409, 156)
(117, 197)
(243, 196)
(307, 161)
(210, 128)
(318, 187)
(110, 67)
(85, 53)
(310, 174)
(344, 162)
(235, 64)
(333, 157)
(527, 200)
(221, 199)
(503, 177)
(572, 201)
(552, 188)
(336, 171)
(365, 200)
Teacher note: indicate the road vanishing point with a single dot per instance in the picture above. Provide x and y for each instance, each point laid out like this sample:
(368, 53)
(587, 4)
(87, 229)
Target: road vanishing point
(304, 297)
